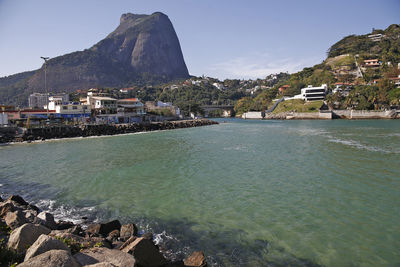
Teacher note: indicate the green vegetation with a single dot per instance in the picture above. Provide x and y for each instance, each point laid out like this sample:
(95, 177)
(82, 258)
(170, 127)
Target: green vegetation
(74, 246)
(9, 257)
(298, 105)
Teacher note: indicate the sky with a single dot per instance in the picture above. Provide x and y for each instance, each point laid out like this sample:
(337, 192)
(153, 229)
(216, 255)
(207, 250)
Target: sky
(239, 39)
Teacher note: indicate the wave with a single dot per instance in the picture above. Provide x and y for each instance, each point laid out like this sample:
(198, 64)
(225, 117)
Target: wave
(359, 145)
(67, 213)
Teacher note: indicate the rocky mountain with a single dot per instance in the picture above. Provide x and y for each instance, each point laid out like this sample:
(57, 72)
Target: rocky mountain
(142, 49)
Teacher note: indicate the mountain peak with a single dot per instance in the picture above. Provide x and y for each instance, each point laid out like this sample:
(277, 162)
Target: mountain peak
(142, 49)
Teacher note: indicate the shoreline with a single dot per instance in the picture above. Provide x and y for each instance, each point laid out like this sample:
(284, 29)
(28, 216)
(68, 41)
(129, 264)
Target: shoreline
(325, 115)
(30, 235)
(9, 135)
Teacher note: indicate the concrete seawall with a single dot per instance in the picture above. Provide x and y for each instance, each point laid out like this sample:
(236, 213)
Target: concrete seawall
(68, 131)
(365, 114)
(325, 115)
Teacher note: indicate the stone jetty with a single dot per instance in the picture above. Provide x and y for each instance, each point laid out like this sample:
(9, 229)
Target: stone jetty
(31, 237)
(16, 134)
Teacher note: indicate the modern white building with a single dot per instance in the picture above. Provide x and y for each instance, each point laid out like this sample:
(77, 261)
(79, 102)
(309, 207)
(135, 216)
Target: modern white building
(311, 93)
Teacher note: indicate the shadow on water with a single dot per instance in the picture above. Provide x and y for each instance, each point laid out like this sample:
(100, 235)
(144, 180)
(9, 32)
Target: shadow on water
(176, 238)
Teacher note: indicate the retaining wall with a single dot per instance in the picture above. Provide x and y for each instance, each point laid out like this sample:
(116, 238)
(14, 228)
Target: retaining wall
(365, 114)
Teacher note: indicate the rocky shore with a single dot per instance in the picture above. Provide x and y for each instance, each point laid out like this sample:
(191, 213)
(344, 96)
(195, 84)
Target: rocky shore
(17, 134)
(31, 237)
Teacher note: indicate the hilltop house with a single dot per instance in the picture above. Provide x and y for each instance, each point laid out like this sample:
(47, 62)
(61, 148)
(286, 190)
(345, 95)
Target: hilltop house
(376, 37)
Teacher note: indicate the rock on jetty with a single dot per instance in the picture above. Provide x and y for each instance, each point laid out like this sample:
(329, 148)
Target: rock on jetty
(30, 237)
(9, 134)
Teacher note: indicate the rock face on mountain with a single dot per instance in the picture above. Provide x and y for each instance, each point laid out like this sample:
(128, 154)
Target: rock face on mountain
(143, 48)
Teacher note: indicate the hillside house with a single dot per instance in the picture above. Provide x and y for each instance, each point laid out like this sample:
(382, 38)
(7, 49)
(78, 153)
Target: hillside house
(372, 63)
(395, 81)
(342, 88)
(283, 88)
(311, 93)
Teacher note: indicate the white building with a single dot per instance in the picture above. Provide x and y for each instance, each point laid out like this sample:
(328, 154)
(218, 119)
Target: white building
(68, 109)
(164, 104)
(219, 86)
(311, 93)
(131, 107)
(376, 37)
(103, 104)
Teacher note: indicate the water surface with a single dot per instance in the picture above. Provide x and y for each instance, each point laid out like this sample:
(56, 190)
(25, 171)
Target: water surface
(247, 193)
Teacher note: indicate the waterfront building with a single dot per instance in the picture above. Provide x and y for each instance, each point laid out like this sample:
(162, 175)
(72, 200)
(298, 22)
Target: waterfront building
(131, 106)
(103, 104)
(37, 100)
(311, 93)
(130, 110)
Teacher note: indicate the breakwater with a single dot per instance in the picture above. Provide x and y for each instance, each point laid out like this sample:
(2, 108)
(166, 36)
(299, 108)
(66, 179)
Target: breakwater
(17, 134)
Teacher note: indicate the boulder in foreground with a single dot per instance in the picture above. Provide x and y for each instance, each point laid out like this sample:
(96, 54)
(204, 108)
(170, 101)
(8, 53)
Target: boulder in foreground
(145, 252)
(43, 244)
(52, 258)
(23, 237)
(196, 259)
(104, 255)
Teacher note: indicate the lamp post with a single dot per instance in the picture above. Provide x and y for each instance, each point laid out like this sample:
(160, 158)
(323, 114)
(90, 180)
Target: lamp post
(45, 85)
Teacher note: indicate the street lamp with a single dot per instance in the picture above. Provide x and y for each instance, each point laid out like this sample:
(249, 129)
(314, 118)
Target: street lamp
(45, 84)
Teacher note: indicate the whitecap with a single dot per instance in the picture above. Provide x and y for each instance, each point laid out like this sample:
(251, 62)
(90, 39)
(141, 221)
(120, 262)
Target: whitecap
(66, 213)
(357, 145)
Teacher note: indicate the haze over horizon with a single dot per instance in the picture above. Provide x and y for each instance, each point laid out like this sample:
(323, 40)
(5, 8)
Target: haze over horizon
(218, 38)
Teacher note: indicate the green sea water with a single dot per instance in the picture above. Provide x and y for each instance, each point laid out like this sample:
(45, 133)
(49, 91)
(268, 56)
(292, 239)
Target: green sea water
(247, 193)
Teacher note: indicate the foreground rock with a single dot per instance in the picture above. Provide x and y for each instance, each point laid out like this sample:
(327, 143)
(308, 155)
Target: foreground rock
(43, 244)
(100, 245)
(104, 255)
(145, 252)
(196, 259)
(103, 228)
(48, 220)
(52, 258)
(15, 219)
(23, 237)
(128, 230)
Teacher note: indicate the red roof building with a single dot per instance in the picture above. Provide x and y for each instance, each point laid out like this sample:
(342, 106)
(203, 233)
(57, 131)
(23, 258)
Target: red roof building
(283, 88)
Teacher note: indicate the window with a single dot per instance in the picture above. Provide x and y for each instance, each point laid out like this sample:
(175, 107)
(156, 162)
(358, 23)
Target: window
(65, 107)
(74, 107)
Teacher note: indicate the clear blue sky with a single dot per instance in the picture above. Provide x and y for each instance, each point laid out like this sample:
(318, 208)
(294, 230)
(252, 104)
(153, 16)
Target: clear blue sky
(219, 38)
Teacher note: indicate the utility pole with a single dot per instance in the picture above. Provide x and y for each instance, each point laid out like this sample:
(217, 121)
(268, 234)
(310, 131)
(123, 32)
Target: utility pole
(45, 85)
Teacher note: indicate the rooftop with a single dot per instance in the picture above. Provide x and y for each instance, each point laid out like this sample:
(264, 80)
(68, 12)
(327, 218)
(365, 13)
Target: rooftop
(103, 98)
